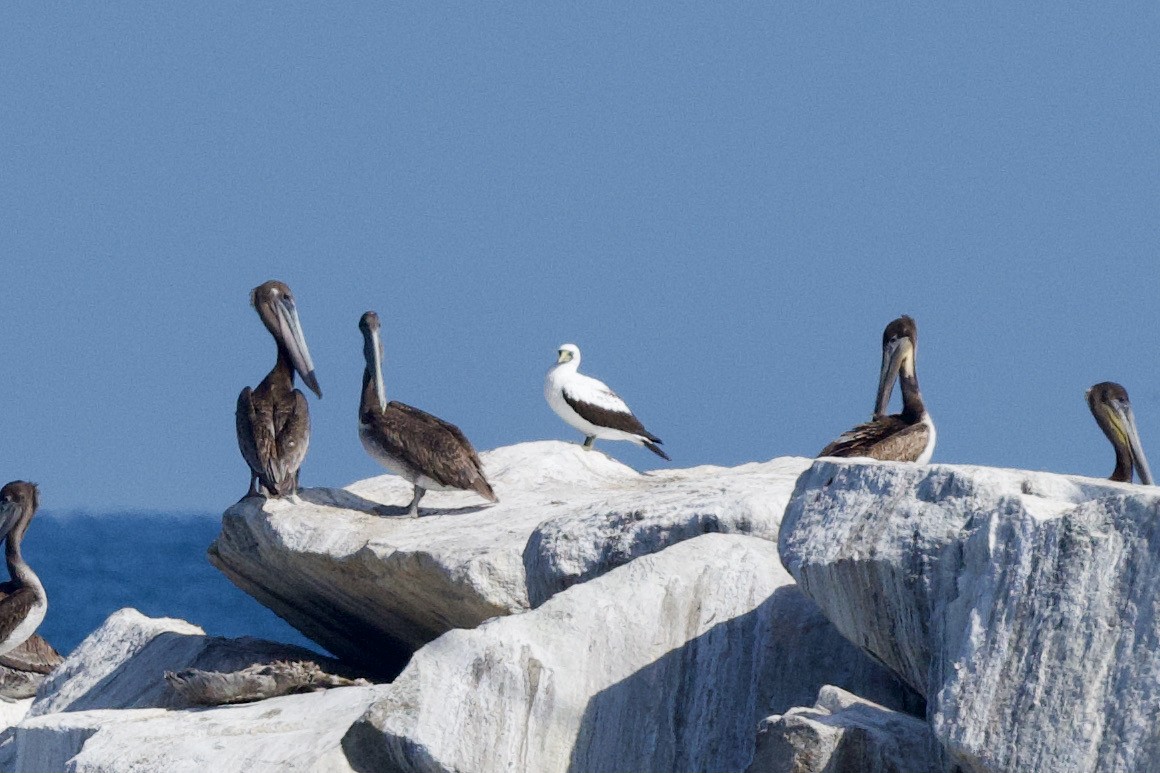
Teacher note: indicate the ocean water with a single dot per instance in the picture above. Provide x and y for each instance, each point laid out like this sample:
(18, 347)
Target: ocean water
(94, 564)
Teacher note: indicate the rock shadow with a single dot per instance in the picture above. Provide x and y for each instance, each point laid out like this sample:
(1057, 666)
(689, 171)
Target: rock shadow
(698, 706)
(346, 500)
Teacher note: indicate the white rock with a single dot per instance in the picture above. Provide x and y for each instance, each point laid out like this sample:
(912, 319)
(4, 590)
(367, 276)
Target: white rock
(843, 732)
(105, 709)
(664, 664)
(373, 588)
(12, 712)
(296, 732)
(1023, 605)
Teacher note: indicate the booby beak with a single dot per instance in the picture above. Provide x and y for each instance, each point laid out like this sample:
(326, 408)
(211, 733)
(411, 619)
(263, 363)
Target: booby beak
(290, 329)
(563, 356)
(894, 355)
(1123, 423)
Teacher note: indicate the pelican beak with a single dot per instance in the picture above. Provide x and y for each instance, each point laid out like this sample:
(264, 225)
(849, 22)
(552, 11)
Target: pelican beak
(9, 515)
(291, 331)
(377, 353)
(1123, 423)
(893, 355)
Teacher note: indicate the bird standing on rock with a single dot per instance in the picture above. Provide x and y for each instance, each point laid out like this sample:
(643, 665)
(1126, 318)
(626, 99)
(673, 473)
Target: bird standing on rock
(591, 407)
(273, 421)
(903, 437)
(423, 449)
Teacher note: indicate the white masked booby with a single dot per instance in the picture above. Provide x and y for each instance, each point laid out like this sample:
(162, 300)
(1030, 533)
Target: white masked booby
(1108, 402)
(423, 449)
(591, 407)
(273, 421)
(23, 603)
(903, 437)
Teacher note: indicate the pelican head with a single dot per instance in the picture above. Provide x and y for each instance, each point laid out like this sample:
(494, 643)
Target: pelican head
(18, 501)
(275, 305)
(1108, 402)
(899, 345)
(568, 353)
(373, 354)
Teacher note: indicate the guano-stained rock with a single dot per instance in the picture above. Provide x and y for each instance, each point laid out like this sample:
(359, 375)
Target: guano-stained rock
(373, 587)
(1022, 605)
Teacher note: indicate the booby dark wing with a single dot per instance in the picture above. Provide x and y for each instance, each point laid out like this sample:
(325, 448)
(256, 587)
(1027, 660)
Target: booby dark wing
(612, 418)
(601, 416)
(435, 447)
(887, 438)
(35, 655)
(273, 436)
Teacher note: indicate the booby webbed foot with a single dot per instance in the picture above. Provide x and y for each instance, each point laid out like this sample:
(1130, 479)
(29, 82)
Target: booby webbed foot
(588, 441)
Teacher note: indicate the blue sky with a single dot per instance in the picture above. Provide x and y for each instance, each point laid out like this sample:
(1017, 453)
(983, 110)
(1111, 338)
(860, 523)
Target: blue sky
(722, 204)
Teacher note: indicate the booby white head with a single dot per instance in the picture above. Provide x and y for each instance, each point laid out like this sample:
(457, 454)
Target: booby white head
(568, 354)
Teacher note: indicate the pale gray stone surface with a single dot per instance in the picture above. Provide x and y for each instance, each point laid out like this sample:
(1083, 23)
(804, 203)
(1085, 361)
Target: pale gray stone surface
(372, 588)
(119, 665)
(664, 664)
(108, 708)
(1022, 605)
(843, 733)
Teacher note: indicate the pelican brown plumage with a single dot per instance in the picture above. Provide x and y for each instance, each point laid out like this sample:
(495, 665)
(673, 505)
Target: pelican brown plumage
(423, 449)
(23, 602)
(1109, 405)
(273, 421)
(908, 436)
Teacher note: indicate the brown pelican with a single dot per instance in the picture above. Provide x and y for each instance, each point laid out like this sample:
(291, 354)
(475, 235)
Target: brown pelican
(905, 437)
(23, 604)
(425, 450)
(591, 407)
(273, 420)
(1108, 402)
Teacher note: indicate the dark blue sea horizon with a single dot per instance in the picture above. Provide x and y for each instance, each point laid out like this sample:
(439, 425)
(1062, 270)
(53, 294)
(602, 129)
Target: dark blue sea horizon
(93, 564)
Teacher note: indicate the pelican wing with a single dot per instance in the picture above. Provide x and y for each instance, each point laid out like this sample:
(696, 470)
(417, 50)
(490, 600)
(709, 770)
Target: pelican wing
(292, 439)
(252, 432)
(273, 437)
(437, 448)
(888, 438)
(599, 405)
(14, 608)
(35, 655)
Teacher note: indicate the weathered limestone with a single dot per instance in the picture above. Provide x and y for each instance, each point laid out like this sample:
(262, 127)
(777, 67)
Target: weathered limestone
(372, 588)
(106, 709)
(1022, 605)
(843, 733)
(666, 663)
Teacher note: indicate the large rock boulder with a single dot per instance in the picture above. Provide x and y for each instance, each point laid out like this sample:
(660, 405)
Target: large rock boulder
(349, 570)
(664, 664)
(1022, 605)
(108, 708)
(843, 733)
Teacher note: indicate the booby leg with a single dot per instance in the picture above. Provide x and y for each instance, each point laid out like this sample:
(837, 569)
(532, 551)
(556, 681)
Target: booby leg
(414, 507)
(588, 441)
